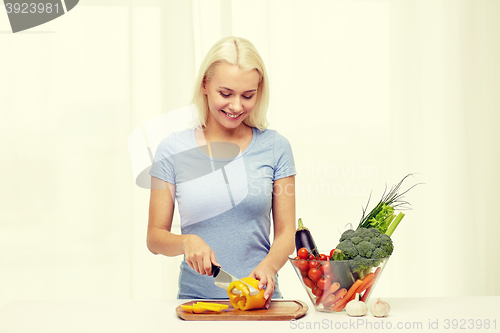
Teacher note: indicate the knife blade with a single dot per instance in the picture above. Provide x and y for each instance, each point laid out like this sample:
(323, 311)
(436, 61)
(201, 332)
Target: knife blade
(223, 279)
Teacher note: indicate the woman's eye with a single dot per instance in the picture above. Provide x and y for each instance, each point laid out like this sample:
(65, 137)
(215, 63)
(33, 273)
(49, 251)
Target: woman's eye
(227, 95)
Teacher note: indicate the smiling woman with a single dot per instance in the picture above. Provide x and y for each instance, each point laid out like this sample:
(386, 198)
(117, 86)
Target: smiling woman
(231, 96)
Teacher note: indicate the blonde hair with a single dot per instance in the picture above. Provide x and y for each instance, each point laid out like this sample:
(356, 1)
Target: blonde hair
(240, 52)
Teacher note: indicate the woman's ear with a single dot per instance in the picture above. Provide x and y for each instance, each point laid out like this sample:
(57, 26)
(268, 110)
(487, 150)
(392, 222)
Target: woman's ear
(204, 86)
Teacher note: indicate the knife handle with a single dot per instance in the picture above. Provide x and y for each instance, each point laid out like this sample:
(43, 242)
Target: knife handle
(215, 270)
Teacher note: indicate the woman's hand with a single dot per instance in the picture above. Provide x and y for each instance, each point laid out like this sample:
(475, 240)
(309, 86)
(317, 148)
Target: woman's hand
(265, 275)
(199, 255)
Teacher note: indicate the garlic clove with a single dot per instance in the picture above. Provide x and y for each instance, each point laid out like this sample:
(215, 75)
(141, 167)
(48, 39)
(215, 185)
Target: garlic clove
(356, 308)
(380, 308)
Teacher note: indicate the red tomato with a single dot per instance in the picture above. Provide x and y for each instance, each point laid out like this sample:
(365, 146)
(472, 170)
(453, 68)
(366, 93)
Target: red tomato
(324, 284)
(325, 268)
(317, 291)
(302, 265)
(303, 253)
(323, 257)
(312, 257)
(331, 253)
(308, 282)
(314, 274)
(314, 264)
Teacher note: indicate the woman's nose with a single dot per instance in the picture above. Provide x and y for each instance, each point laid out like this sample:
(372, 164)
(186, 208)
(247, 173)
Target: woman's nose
(236, 105)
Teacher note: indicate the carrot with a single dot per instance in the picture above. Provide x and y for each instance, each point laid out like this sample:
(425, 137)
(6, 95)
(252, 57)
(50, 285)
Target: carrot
(333, 288)
(369, 287)
(344, 300)
(366, 281)
(367, 291)
(369, 277)
(335, 297)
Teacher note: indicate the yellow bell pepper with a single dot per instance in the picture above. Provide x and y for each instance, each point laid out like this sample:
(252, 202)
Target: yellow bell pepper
(245, 301)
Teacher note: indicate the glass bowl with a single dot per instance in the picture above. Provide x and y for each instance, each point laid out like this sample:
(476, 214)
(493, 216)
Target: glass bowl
(333, 282)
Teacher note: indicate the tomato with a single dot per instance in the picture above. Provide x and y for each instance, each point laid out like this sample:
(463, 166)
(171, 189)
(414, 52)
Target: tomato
(302, 265)
(303, 253)
(325, 268)
(308, 282)
(312, 257)
(317, 291)
(331, 253)
(314, 274)
(324, 284)
(304, 273)
(314, 264)
(323, 257)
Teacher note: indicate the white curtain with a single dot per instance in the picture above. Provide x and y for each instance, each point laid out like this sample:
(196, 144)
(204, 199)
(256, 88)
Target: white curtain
(366, 91)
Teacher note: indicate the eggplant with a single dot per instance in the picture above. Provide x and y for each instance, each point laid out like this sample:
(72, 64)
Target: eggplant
(303, 238)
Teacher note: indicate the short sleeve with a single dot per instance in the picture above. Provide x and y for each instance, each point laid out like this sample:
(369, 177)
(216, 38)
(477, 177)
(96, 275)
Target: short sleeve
(284, 165)
(163, 165)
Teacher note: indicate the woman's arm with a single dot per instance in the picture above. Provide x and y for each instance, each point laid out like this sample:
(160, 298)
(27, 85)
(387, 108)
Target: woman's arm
(160, 240)
(283, 211)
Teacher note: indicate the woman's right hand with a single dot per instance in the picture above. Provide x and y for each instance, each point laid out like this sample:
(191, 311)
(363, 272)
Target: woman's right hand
(198, 255)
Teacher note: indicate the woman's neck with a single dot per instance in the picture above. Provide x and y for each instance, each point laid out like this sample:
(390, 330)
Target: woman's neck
(213, 131)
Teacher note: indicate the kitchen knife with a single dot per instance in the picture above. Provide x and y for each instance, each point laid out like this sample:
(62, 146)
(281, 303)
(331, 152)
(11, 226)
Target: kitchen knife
(223, 279)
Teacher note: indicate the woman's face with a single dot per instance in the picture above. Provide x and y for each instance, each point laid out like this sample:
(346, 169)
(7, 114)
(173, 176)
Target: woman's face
(231, 94)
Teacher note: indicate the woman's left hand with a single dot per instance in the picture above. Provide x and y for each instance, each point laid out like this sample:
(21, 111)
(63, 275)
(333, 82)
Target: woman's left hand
(265, 275)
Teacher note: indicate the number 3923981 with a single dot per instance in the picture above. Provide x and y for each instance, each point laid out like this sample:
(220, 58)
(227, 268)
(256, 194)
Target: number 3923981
(32, 8)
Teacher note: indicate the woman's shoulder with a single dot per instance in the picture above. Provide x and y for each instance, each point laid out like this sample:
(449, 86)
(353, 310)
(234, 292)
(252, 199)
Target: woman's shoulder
(273, 136)
(176, 140)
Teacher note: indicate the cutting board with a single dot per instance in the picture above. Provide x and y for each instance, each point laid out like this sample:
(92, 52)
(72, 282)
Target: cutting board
(279, 310)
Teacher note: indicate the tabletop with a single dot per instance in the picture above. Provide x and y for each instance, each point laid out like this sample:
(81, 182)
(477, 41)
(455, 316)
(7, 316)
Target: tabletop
(464, 314)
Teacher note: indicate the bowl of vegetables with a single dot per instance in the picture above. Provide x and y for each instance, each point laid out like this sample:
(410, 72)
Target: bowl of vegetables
(355, 265)
(331, 281)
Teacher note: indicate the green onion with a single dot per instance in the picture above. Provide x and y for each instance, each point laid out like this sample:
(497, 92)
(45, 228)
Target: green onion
(382, 216)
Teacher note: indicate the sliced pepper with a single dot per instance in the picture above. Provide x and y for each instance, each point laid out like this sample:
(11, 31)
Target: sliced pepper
(200, 307)
(242, 299)
(214, 306)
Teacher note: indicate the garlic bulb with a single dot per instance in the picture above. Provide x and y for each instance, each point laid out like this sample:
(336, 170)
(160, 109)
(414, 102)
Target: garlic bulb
(356, 308)
(380, 308)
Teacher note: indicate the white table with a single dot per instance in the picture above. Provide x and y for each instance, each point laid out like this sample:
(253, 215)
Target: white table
(151, 316)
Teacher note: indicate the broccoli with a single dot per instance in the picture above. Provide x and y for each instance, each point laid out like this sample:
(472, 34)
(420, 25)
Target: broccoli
(361, 246)
(346, 235)
(348, 249)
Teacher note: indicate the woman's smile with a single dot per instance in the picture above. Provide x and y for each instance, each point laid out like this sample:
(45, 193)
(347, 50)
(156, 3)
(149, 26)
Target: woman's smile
(232, 116)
